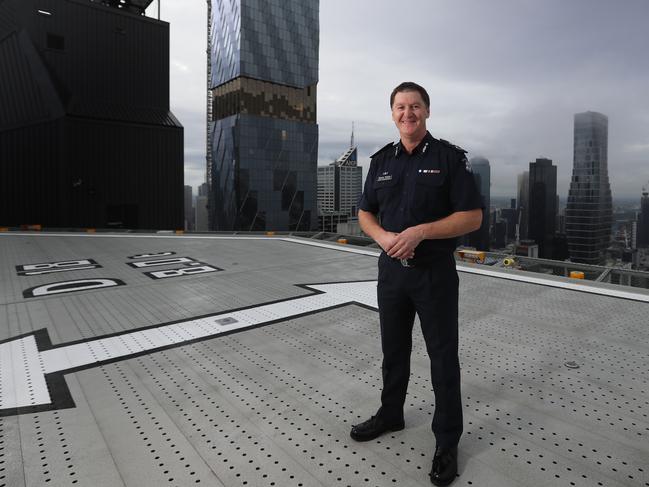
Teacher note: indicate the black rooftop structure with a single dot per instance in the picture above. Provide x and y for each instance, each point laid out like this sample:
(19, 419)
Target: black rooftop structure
(86, 135)
(135, 6)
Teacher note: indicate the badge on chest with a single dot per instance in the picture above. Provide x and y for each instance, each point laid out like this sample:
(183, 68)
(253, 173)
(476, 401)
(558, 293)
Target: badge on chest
(384, 177)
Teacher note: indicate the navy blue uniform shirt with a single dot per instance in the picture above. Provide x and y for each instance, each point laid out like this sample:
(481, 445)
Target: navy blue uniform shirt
(405, 190)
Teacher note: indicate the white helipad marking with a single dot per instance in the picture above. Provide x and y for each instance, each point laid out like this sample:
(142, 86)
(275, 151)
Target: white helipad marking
(587, 287)
(23, 367)
(22, 377)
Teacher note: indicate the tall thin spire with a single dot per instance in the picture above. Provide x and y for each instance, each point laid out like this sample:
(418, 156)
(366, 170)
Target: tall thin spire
(351, 144)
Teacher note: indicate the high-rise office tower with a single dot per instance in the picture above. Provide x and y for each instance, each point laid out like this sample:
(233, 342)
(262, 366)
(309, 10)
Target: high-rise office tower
(203, 190)
(523, 197)
(263, 132)
(340, 184)
(189, 208)
(86, 135)
(542, 205)
(201, 213)
(589, 212)
(480, 239)
(642, 235)
(510, 215)
(500, 233)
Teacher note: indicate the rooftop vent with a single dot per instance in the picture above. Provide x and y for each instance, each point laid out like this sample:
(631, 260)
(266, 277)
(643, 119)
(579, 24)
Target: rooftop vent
(133, 6)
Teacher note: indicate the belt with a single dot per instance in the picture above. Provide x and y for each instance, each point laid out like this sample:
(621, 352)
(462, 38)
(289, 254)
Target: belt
(425, 261)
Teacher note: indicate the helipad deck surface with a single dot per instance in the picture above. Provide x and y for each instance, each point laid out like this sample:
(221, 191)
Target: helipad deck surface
(245, 369)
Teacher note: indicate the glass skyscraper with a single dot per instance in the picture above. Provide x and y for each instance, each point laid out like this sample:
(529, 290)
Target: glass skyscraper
(543, 205)
(523, 202)
(589, 211)
(263, 131)
(480, 239)
(643, 220)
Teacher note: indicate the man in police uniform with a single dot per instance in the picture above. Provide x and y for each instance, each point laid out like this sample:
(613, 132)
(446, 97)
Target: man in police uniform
(419, 196)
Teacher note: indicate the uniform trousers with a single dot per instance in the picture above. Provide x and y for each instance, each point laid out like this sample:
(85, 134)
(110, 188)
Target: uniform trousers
(431, 291)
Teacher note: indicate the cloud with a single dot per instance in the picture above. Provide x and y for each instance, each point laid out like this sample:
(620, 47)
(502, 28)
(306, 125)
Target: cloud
(180, 66)
(506, 78)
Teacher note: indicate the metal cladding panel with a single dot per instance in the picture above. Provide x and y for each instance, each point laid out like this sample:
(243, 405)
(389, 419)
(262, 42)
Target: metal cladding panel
(101, 53)
(122, 112)
(7, 18)
(32, 175)
(125, 176)
(21, 99)
(111, 152)
(80, 173)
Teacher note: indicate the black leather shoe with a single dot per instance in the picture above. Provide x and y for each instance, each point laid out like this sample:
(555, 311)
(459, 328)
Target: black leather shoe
(373, 428)
(444, 466)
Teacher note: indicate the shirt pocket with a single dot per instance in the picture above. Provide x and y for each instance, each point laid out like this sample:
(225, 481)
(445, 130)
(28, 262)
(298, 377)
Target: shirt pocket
(386, 190)
(429, 192)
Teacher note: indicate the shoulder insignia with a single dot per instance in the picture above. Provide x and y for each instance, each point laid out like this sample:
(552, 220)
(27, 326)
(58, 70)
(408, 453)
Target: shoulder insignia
(452, 146)
(383, 149)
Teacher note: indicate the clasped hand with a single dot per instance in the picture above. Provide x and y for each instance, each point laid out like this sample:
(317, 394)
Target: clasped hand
(401, 245)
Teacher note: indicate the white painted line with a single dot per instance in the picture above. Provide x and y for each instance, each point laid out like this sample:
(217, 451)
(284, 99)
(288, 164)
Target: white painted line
(22, 377)
(573, 286)
(23, 368)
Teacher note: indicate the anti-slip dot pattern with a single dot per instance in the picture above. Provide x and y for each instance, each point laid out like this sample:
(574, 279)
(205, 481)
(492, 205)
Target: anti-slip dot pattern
(273, 406)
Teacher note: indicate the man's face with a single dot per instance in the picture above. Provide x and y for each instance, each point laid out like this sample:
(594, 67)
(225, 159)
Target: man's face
(409, 113)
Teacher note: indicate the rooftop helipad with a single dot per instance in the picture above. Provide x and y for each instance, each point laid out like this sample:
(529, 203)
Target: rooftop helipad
(153, 360)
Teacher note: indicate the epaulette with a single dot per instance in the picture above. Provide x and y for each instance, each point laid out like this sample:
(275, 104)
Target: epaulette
(452, 146)
(386, 147)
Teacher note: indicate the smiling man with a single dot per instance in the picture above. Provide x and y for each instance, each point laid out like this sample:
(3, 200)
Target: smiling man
(419, 197)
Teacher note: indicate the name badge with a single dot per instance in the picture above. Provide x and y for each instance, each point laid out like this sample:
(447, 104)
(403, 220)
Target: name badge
(387, 177)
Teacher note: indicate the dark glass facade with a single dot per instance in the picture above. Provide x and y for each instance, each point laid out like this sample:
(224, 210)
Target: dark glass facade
(523, 202)
(543, 205)
(643, 221)
(263, 132)
(480, 239)
(589, 211)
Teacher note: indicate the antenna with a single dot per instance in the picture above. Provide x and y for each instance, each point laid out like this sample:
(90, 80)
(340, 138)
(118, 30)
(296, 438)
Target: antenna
(351, 144)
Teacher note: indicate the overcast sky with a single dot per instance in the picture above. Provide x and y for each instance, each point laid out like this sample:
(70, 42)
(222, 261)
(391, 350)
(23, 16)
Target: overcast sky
(505, 79)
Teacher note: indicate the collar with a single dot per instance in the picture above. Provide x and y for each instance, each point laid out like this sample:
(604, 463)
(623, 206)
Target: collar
(422, 148)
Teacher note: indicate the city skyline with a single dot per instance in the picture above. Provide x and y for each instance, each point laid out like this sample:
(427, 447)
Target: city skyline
(505, 82)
